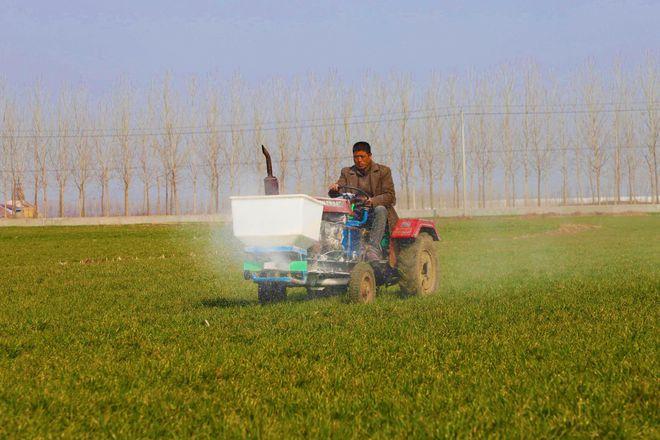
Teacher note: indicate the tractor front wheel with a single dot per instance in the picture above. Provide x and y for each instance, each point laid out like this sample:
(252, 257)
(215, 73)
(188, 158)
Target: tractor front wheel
(362, 285)
(271, 292)
(418, 267)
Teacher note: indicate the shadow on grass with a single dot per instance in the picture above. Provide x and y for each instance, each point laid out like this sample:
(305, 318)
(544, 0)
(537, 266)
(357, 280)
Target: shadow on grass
(296, 296)
(225, 303)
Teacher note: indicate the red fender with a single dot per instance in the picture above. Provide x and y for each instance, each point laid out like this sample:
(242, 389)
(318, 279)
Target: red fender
(411, 227)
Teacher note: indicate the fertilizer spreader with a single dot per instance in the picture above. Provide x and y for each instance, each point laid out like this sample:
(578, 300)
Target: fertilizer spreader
(319, 243)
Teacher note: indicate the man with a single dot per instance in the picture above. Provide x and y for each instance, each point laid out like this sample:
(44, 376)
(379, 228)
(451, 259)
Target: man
(375, 180)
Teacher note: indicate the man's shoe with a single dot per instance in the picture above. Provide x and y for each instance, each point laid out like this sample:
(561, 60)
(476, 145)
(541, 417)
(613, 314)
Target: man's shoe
(372, 253)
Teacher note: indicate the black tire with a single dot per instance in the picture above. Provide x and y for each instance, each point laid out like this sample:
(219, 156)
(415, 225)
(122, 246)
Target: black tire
(418, 267)
(362, 285)
(271, 292)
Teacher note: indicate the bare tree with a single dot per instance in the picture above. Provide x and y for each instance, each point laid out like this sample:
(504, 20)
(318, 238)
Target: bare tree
(378, 106)
(541, 152)
(651, 92)
(625, 134)
(430, 155)
(82, 157)
(618, 130)
(481, 136)
(4, 149)
(406, 152)
(330, 105)
(282, 113)
(232, 152)
(103, 157)
(13, 150)
(317, 136)
(454, 138)
(125, 152)
(593, 129)
(39, 150)
(564, 143)
(531, 121)
(62, 147)
(193, 152)
(297, 147)
(215, 142)
(508, 149)
(170, 148)
(147, 145)
(348, 106)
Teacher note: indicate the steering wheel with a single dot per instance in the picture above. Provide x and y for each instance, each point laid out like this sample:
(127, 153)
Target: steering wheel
(358, 191)
(359, 195)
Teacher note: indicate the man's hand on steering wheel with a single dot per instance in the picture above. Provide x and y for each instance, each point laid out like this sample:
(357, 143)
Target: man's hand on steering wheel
(359, 196)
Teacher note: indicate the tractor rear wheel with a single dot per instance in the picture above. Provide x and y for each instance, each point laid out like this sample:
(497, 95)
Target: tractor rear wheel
(362, 285)
(418, 266)
(271, 292)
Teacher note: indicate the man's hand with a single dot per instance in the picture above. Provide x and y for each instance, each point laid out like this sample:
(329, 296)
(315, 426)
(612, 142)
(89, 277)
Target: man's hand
(334, 187)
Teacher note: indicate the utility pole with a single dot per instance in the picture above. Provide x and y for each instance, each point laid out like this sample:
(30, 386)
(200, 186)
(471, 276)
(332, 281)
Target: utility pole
(463, 153)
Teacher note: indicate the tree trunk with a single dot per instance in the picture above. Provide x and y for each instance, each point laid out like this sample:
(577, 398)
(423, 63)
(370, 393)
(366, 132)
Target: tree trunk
(564, 187)
(631, 184)
(81, 199)
(513, 189)
(44, 198)
(158, 207)
(13, 195)
(578, 178)
(526, 181)
(175, 198)
(431, 201)
(655, 176)
(126, 207)
(538, 186)
(617, 176)
(147, 201)
(406, 188)
(36, 194)
(61, 200)
(216, 193)
(104, 196)
(167, 194)
(194, 195)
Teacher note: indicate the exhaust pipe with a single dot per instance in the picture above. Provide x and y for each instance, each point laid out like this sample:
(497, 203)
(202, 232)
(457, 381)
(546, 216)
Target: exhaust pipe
(271, 185)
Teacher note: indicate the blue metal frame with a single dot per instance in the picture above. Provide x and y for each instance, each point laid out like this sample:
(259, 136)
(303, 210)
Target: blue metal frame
(350, 236)
(257, 279)
(275, 249)
(302, 255)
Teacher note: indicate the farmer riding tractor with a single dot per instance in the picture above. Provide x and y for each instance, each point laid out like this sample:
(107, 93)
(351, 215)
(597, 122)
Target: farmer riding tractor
(319, 243)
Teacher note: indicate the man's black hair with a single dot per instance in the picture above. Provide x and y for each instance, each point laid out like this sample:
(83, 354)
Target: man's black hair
(362, 146)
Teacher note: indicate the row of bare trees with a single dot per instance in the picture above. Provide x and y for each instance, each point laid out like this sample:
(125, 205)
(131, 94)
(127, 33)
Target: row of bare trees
(524, 136)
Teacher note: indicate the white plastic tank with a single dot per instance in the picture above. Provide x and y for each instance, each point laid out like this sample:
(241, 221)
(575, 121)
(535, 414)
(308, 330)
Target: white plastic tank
(282, 220)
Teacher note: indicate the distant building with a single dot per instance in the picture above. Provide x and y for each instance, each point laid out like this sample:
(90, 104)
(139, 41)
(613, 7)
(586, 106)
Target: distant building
(23, 209)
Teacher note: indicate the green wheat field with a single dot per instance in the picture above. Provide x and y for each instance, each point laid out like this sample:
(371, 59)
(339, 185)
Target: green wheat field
(542, 327)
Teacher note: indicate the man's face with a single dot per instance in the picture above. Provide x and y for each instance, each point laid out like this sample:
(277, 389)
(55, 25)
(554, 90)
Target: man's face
(362, 160)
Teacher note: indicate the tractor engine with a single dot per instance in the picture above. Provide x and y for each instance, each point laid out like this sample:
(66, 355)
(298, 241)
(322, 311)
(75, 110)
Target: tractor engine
(338, 240)
(332, 231)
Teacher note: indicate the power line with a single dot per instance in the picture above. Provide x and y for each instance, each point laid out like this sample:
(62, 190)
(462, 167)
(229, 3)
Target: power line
(316, 159)
(177, 132)
(343, 118)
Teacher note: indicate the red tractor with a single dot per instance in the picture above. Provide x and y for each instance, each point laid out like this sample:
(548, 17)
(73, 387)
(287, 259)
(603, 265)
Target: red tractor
(335, 261)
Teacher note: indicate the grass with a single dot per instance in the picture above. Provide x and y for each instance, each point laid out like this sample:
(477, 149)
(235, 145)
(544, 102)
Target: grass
(543, 327)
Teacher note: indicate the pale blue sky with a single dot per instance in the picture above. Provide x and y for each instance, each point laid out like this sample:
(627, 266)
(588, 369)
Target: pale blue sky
(96, 41)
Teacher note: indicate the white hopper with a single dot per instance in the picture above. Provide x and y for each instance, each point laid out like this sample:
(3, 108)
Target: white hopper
(282, 220)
